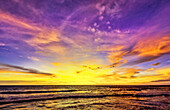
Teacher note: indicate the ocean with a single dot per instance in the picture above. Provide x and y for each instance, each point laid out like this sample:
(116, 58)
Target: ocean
(85, 97)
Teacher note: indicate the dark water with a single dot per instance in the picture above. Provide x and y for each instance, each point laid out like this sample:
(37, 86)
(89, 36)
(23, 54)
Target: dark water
(84, 97)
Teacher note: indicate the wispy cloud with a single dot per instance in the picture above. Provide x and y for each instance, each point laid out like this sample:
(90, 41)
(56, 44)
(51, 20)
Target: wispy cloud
(7, 18)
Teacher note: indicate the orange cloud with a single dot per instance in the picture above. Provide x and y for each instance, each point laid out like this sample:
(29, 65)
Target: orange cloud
(44, 37)
(123, 73)
(41, 39)
(5, 17)
(143, 51)
(137, 76)
(48, 41)
(130, 72)
(152, 46)
(116, 53)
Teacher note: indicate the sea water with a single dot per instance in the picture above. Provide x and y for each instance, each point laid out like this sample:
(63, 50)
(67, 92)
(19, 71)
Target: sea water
(84, 97)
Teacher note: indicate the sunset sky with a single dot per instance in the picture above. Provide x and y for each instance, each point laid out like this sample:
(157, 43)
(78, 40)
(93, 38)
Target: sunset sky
(88, 42)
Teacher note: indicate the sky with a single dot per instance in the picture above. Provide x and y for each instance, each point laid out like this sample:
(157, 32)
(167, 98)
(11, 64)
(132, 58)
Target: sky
(84, 42)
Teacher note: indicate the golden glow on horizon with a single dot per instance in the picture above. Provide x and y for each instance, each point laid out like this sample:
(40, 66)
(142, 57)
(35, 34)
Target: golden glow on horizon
(65, 74)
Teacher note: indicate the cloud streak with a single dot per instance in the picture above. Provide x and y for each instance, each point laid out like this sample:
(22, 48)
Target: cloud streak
(19, 69)
(7, 18)
(163, 80)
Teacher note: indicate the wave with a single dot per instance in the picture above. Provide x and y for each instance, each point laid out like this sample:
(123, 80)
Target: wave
(53, 97)
(29, 92)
